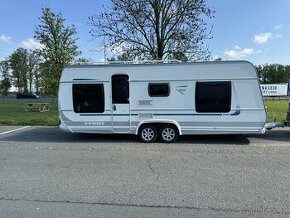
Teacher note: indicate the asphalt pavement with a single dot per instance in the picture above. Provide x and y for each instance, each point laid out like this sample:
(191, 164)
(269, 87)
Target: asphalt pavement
(49, 173)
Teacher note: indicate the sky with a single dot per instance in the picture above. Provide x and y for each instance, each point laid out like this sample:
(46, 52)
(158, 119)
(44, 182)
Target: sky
(253, 30)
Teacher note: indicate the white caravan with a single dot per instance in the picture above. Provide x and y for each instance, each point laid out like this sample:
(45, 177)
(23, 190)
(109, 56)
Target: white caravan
(162, 100)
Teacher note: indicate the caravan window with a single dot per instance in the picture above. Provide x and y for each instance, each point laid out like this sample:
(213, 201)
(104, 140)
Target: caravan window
(213, 97)
(88, 98)
(120, 89)
(158, 89)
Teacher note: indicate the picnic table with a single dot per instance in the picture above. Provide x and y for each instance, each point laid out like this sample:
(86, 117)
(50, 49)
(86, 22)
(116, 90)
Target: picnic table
(36, 107)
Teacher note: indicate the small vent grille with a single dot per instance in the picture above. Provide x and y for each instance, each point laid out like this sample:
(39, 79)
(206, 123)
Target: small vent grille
(145, 102)
(147, 116)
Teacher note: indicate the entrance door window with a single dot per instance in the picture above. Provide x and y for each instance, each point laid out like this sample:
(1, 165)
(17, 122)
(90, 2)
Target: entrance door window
(120, 89)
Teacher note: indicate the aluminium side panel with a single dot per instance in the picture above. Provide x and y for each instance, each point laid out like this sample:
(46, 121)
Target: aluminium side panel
(84, 122)
(247, 113)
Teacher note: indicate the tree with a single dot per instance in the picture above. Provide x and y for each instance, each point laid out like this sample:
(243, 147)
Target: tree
(155, 29)
(5, 83)
(287, 71)
(58, 47)
(24, 65)
(121, 57)
(37, 79)
(82, 60)
(273, 73)
(19, 65)
(33, 67)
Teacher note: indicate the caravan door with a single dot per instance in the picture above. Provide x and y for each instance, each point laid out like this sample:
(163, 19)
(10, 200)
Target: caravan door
(120, 103)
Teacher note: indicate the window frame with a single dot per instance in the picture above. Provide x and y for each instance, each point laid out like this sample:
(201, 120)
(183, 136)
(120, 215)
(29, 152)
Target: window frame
(212, 112)
(102, 94)
(112, 89)
(159, 83)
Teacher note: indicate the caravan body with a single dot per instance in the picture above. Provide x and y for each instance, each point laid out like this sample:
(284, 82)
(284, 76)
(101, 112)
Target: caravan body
(165, 99)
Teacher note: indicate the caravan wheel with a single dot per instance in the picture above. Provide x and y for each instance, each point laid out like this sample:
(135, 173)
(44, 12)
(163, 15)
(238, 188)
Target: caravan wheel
(168, 133)
(148, 133)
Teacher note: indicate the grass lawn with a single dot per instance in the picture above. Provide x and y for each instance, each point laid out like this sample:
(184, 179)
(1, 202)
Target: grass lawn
(14, 114)
(276, 109)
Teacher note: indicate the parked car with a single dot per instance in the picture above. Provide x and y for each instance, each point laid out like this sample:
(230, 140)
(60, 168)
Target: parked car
(26, 95)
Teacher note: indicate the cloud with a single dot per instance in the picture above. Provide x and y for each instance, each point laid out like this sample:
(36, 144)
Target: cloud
(238, 52)
(278, 27)
(237, 47)
(263, 37)
(30, 44)
(4, 38)
(278, 36)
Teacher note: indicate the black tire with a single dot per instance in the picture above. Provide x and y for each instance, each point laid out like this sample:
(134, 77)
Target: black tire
(148, 133)
(168, 133)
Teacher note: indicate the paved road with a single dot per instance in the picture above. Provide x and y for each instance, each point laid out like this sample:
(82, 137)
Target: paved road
(47, 173)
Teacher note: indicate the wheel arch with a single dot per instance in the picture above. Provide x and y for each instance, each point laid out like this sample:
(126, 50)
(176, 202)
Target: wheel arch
(173, 122)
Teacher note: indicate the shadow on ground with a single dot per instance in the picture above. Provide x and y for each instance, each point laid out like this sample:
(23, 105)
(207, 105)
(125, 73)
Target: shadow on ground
(215, 139)
(54, 135)
(278, 135)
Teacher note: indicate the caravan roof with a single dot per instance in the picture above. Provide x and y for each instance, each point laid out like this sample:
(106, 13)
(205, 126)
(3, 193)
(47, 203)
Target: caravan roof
(222, 70)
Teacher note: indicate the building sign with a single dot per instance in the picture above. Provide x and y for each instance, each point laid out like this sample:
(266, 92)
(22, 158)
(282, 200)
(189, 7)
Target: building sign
(274, 89)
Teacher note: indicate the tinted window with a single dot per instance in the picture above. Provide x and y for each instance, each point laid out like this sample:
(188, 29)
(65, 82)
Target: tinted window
(158, 90)
(213, 97)
(26, 95)
(120, 89)
(88, 98)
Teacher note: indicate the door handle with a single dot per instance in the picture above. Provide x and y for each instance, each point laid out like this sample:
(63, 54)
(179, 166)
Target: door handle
(114, 107)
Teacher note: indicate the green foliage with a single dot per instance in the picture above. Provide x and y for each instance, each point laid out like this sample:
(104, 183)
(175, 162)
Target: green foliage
(58, 48)
(5, 83)
(163, 29)
(5, 86)
(33, 70)
(24, 67)
(83, 60)
(273, 73)
(19, 65)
